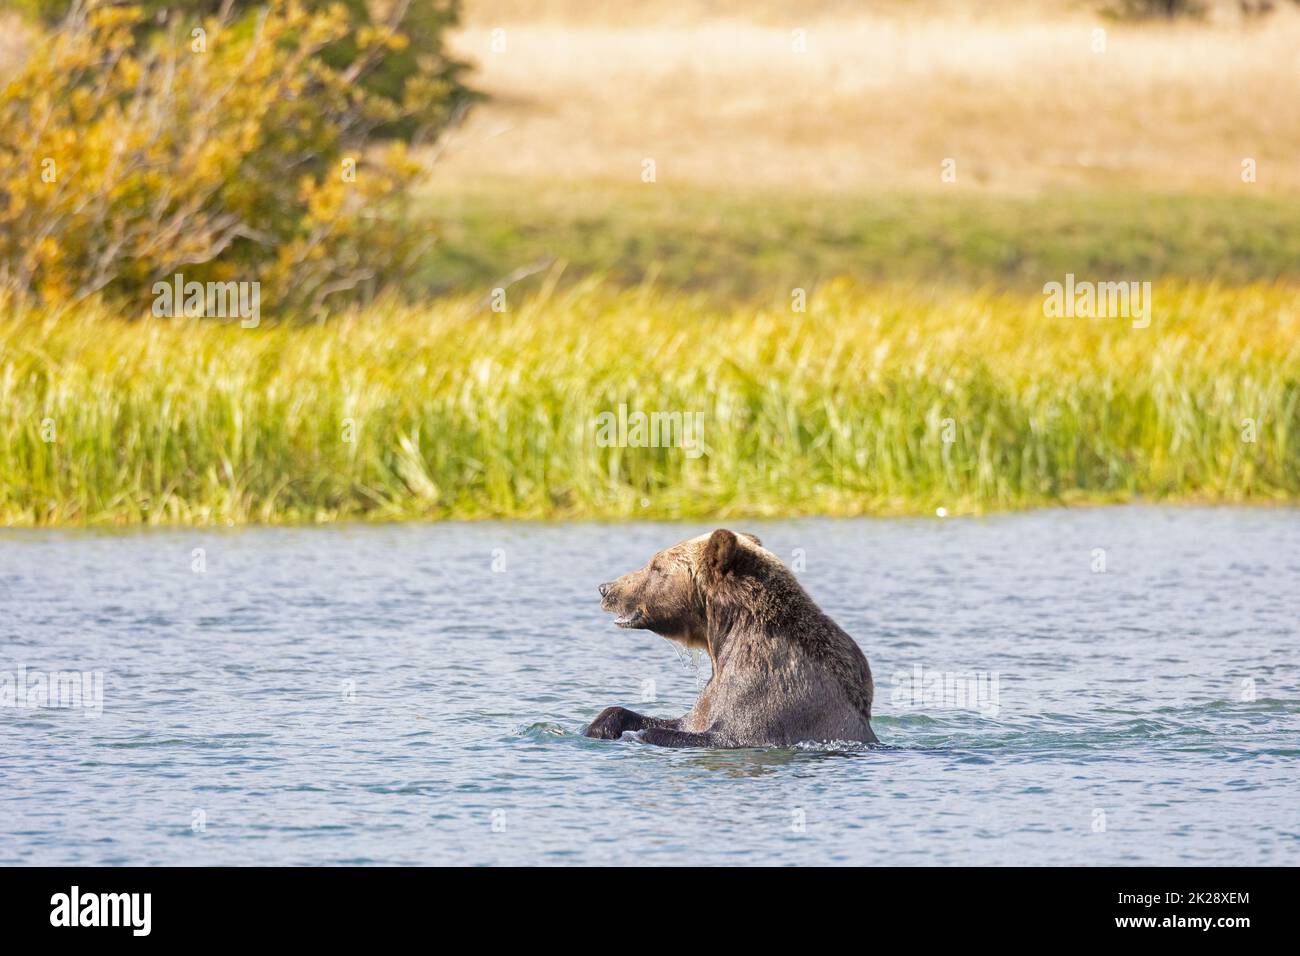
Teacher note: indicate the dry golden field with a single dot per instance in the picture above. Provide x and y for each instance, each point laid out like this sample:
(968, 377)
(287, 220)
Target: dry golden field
(1020, 99)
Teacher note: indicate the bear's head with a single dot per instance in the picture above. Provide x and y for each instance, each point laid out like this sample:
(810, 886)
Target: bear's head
(669, 595)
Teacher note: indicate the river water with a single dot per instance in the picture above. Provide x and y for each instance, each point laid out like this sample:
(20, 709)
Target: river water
(415, 694)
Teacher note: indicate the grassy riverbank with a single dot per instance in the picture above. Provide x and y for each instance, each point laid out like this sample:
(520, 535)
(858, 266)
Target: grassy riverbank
(919, 170)
(876, 399)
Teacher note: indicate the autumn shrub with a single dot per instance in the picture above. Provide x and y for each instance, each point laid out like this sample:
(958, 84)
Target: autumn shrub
(415, 86)
(243, 145)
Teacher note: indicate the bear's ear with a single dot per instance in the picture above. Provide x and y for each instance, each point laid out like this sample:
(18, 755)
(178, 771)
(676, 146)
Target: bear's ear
(751, 537)
(719, 554)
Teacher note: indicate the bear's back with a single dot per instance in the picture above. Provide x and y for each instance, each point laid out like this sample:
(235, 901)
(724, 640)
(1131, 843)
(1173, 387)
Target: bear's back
(778, 688)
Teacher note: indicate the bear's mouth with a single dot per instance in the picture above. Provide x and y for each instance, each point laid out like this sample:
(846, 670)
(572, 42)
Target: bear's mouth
(634, 618)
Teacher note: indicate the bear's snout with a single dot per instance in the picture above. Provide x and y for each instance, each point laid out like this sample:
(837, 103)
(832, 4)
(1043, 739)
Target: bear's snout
(609, 596)
(615, 599)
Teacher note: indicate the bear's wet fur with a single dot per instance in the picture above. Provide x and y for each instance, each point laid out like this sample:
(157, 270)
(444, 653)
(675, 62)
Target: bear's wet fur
(783, 672)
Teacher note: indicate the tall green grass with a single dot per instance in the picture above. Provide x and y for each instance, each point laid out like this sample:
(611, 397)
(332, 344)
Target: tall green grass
(456, 411)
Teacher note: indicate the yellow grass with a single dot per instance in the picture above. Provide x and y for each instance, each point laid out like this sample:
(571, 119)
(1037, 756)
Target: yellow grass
(873, 400)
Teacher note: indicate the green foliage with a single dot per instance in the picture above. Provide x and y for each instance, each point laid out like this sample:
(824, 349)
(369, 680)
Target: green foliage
(1149, 9)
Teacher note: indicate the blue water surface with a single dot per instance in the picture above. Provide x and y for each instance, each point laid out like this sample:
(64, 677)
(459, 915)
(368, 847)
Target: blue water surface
(415, 694)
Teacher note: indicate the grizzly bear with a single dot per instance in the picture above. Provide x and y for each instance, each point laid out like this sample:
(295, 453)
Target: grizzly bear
(783, 672)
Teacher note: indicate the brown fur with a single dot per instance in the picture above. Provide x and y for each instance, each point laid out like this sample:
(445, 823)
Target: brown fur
(783, 672)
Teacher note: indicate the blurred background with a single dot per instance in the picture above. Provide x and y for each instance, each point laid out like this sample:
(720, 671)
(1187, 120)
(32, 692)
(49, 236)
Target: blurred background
(946, 140)
(677, 177)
